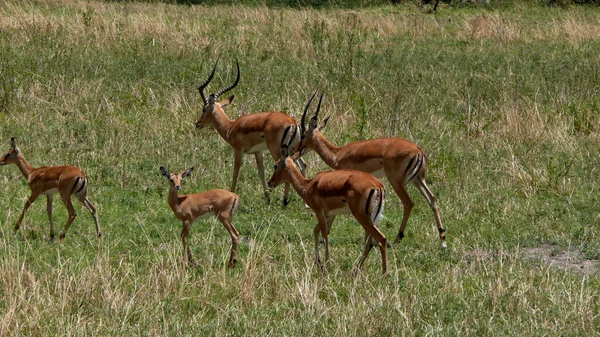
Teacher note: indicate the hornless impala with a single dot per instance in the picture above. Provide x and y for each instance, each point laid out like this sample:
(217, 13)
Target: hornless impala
(47, 180)
(338, 192)
(398, 159)
(249, 134)
(189, 208)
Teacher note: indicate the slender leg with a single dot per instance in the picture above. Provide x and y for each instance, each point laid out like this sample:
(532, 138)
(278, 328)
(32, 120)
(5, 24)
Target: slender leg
(432, 200)
(49, 210)
(371, 231)
(237, 162)
(72, 215)
(27, 204)
(408, 206)
(366, 251)
(187, 253)
(261, 173)
(225, 219)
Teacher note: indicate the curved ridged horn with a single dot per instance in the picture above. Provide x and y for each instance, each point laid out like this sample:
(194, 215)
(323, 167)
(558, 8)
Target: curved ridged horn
(303, 119)
(203, 85)
(316, 116)
(237, 80)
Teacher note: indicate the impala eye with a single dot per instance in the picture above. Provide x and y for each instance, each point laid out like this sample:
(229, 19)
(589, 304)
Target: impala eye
(275, 166)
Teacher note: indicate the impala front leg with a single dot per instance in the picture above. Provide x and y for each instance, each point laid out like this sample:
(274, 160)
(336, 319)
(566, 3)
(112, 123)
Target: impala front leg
(27, 204)
(237, 162)
(49, 209)
(187, 253)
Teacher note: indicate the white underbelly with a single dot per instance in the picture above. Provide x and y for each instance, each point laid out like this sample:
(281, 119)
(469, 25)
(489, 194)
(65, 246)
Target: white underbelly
(261, 147)
(339, 211)
(50, 191)
(205, 215)
(379, 173)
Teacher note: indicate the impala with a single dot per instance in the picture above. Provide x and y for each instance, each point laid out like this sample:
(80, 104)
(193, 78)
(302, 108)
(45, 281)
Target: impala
(398, 159)
(249, 134)
(48, 180)
(189, 208)
(338, 192)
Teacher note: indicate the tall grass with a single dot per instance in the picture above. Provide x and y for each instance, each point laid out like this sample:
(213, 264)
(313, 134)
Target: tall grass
(503, 102)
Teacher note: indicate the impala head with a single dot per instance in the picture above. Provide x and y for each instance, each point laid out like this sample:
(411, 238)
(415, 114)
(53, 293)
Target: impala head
(12, 155)
(307, 138)
(280, 174)
(210, 104)
(174, 177)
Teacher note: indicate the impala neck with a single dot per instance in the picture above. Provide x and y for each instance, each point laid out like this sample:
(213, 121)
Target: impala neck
(297, 179)
(222, 123)
(326, 150)
(24, 166)
(173, 197)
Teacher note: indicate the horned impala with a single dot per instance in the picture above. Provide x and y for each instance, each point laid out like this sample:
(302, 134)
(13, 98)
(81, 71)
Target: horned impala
(338, 192)
(249, 134)
(48, 180)
(189, 208)
(398, 159)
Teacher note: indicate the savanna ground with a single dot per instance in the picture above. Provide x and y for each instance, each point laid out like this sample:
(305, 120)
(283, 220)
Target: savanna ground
(504, 99)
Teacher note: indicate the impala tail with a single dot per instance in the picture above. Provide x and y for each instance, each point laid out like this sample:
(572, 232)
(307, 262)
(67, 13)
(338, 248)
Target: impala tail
(375, 203)
(415, 165)
(80, 185)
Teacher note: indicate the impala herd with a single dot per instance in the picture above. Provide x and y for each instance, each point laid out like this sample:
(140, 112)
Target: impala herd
(351, 187)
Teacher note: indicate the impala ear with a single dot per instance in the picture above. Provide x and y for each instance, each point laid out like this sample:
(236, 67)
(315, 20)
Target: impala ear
(164, 172)
(313, 123)
(226, 101)
(187, 173)
(323, 123)
(13, 144)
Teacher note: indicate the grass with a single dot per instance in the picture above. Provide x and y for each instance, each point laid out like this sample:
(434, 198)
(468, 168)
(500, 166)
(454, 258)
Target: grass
(504, 101)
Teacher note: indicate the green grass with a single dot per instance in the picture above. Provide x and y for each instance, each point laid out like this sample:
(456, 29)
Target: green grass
(502, 99)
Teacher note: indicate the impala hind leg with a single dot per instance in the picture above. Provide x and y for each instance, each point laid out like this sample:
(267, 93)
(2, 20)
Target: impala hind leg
(419, 182)
(49, 211)
(371, 232)
(225, 219)
(25, 208)
(86, 202)
(72, 214)
(408, 206)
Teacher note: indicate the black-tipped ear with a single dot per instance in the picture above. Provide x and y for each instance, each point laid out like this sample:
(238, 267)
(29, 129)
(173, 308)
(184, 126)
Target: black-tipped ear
(323, 123)
(164, 172)
(313, 123)
(13, 144)
(187, 173)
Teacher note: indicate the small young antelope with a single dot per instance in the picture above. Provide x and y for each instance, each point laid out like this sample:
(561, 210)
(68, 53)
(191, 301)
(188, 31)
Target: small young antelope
(189, 208)
(48, 180)
(337, 192)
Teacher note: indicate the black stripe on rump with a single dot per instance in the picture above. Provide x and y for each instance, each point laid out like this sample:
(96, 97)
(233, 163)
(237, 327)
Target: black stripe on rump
(416, 169)
(369, 201)
(82, 185)
(285, 132)
(380, 202)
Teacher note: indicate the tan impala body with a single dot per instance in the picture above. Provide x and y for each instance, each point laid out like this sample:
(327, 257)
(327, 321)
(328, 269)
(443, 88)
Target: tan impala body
(249, 134)
(398, 159)
(189, 208)
(48, 180)
(338, 192)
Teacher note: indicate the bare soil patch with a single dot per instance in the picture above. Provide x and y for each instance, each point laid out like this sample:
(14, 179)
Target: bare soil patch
(571, 260)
